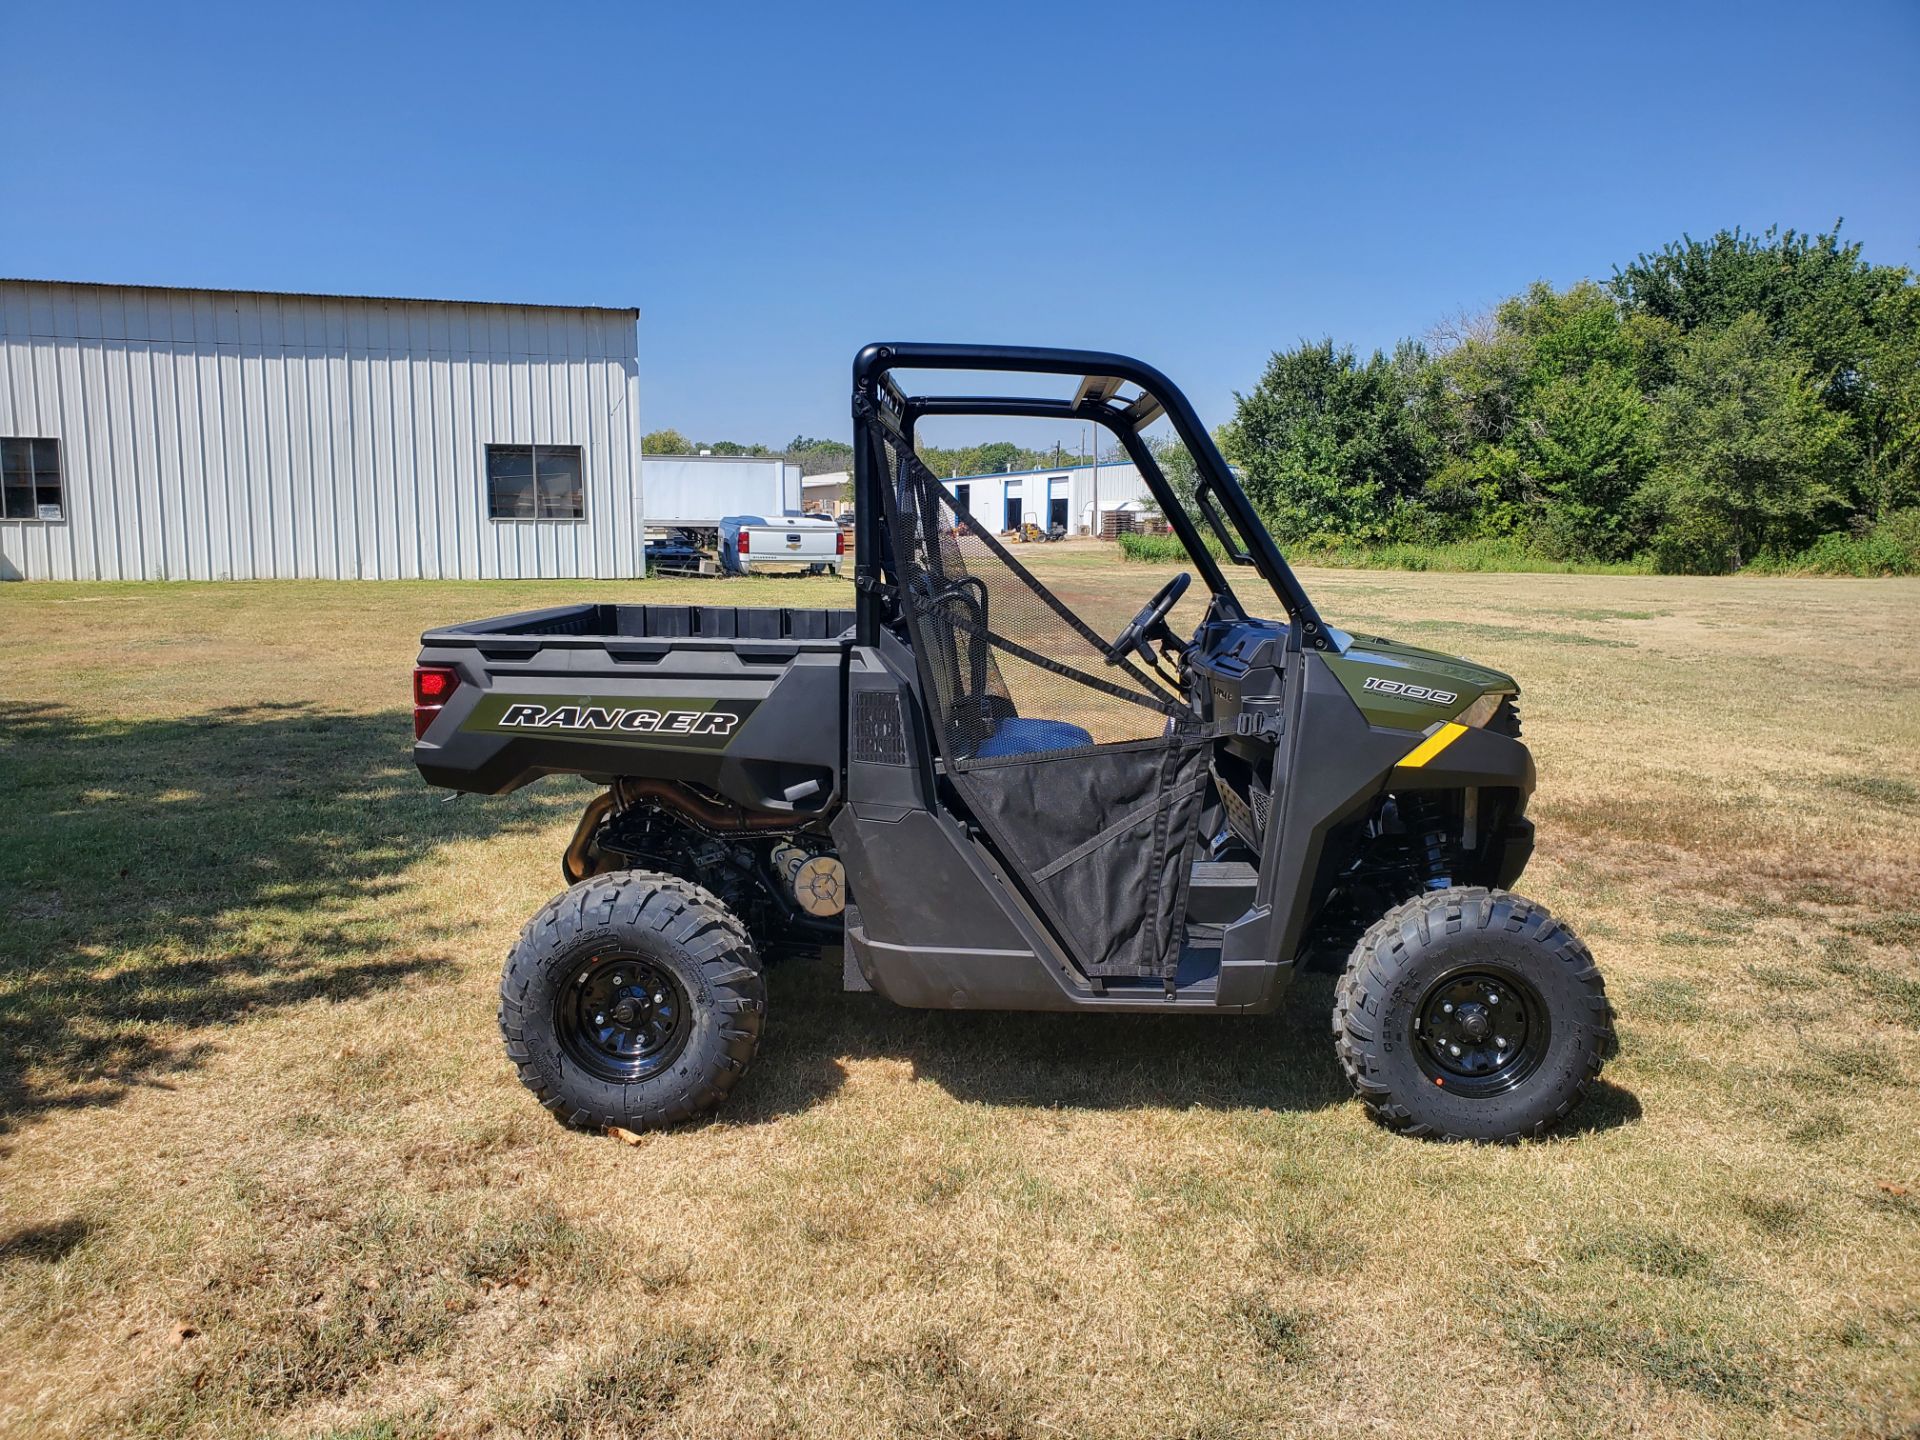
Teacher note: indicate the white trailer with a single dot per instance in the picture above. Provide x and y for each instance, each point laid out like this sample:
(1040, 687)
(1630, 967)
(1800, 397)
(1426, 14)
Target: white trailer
(695, 492)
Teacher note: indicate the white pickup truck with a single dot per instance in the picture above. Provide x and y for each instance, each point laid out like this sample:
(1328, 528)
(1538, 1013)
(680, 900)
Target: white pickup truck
(753, 543)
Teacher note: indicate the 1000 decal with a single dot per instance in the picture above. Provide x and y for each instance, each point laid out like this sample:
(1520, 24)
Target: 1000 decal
(1410, 692)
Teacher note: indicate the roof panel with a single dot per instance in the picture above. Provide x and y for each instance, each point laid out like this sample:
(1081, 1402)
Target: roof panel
(317, 295)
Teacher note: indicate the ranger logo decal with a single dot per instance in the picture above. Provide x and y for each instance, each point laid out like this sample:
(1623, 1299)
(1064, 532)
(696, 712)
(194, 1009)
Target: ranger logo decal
(597, 717)
(684, 722)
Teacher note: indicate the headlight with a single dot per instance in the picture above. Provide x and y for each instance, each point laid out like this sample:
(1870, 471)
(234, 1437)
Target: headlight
(1480, 711)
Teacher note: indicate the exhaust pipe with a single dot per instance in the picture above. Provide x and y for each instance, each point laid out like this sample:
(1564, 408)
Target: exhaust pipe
(577, 862)
(714, 815)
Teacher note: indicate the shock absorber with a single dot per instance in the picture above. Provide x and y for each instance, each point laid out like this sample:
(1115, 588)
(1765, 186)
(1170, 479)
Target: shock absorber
(1426, 827)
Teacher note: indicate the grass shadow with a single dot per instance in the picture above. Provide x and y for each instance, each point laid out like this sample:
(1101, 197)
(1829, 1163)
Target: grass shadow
(1043, 1060)
(164, 878)
(1607, 1107)
(44, 1244)
(1283, 1062)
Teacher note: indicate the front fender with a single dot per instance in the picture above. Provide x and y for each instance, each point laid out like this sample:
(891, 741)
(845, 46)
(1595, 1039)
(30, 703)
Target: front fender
(1459, 757)
(1337, 765)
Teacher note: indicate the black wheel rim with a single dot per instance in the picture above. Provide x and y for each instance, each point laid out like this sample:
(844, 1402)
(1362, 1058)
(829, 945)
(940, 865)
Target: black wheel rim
(1480, 1031)
(622, 1018)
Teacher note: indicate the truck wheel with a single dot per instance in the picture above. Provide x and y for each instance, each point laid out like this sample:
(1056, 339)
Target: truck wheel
(632, 999)
(1471, 1014)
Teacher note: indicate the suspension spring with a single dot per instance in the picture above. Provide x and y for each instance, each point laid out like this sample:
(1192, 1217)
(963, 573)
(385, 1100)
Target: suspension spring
(1422, 816)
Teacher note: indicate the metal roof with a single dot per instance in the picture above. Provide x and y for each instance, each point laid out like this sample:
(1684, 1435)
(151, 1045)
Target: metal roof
(632, 310)
(1043, 470)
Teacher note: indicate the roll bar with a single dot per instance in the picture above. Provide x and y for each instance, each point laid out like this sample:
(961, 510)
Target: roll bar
(879, 400)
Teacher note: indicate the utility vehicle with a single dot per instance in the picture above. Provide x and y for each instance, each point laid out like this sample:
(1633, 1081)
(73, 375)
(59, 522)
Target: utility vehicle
(991, 805)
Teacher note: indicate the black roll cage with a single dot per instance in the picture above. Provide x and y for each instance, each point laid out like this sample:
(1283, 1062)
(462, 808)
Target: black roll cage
(879, 401)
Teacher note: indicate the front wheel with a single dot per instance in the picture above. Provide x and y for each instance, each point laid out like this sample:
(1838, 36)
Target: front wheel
(632, 1000)
(1471, 1014)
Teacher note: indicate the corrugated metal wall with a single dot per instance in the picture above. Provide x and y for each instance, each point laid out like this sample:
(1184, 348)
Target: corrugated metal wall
(213, 435)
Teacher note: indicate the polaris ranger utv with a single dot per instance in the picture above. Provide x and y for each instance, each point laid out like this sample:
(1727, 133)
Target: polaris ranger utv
(994, 806)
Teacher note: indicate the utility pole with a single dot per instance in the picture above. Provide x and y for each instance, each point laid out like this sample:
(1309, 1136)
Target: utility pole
(1095, 526)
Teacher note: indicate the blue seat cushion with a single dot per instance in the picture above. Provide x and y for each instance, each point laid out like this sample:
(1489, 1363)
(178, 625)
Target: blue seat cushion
(1019, 736)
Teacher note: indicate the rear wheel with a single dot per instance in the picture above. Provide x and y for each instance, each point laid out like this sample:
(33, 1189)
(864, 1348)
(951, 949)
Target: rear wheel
(1471, 1014)
(632, 999)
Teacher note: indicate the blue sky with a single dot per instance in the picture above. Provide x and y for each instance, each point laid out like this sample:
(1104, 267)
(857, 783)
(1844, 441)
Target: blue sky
(774, 185)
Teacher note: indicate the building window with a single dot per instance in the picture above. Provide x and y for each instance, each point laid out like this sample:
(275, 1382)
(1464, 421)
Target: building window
(30, 480)
(534, 482)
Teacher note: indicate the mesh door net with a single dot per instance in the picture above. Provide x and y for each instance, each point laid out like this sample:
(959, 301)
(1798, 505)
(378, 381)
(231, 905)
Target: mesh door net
(1086, 777)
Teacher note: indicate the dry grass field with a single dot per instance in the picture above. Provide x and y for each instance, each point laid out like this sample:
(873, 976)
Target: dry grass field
(264, 1171)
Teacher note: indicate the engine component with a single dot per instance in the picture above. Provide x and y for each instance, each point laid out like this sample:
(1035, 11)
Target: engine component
(786, 893)
(818, 882)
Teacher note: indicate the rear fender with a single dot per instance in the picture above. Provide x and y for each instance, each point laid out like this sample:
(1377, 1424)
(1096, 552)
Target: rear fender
(753, 722)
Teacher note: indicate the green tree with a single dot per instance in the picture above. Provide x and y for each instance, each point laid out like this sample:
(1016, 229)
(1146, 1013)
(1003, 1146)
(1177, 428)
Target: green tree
(1588, 447)
(1750, 459)
(665, 442)
(1717, 400)
(1176, 462)
(992, 457)
(819, 457)
(1813, 294)
(1540, 414)
(1890, 385)
(1329, 445)
(1847, 322)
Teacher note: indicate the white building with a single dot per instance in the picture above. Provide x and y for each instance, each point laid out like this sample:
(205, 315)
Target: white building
(825, 494)
(1051, 498)
(150, 434)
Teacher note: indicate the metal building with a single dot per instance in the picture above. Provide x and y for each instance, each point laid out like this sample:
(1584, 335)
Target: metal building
(827, 492)
(1062, 497)
(150, 434)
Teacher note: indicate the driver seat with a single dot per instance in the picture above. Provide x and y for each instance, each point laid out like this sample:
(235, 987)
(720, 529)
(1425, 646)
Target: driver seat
(1019, 735)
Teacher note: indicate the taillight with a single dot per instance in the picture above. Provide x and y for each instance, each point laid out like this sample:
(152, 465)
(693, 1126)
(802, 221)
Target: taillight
(839, 542)
(743, 542)
(433, 686)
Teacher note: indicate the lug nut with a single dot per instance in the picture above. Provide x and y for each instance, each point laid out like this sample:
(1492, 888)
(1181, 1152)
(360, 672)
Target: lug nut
(1454, 1048)
(1447, 1008)
(1499, 1042)
(599, 1019)
(658, 998)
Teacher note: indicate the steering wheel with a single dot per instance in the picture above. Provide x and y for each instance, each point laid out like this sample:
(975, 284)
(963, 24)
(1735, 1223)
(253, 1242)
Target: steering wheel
(1151, 621)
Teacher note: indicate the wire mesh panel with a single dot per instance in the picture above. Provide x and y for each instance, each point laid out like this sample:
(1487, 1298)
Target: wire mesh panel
(1087, 776)
(999, 644)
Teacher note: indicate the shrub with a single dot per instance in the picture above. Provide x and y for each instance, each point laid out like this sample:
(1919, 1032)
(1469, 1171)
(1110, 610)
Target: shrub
(1891, 547)
(1501, 555)
(1153, 549)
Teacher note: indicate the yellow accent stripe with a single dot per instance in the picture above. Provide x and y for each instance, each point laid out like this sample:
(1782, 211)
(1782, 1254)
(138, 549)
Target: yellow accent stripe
(1432, 745)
